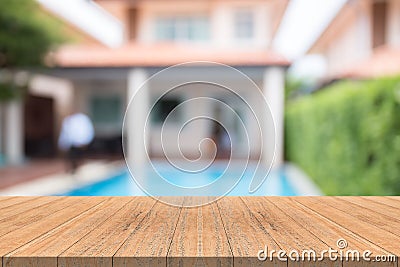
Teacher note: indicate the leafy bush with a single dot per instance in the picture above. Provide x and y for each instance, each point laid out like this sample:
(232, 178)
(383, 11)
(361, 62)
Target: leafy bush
(26, 34)
(347, 137)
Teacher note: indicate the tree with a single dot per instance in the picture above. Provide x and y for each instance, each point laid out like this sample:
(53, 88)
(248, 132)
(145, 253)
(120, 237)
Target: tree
(26, 35)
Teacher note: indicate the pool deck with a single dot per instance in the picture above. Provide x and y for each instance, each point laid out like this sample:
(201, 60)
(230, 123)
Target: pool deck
(140, 231)
(29, 171)
(46, 178)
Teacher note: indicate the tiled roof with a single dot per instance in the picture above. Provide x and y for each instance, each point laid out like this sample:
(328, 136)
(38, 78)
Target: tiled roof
(159, 55)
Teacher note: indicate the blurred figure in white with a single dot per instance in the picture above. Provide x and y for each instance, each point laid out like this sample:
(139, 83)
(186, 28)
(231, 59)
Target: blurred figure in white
(77, 133)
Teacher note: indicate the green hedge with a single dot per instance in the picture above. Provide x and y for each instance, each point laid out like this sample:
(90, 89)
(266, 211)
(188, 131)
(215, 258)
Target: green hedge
(347, 137)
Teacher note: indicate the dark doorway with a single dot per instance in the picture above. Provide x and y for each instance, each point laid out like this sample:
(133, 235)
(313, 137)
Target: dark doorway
(39, 126)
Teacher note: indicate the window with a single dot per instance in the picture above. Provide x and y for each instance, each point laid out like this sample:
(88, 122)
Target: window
(106, 110)
(164, 107)
(182, 28)
(244, 24)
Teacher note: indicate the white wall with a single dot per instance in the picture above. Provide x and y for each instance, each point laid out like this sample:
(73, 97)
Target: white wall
(221, 15)
(393, 23)
(222, 18)
(353, 44)
(150, 10)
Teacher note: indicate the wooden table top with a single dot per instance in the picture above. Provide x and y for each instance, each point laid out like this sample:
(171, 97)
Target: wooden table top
(140, 231)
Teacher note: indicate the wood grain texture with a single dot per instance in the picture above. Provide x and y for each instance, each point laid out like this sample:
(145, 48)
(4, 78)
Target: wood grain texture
(374, 207)
(385, 200)
(56, 241)
(245, 233)
(19, 207)
(142, 231)
(149, 242)
(288, 233)
(360, 227)
(100, 245)
(19, 219)
(9, 201)
(200, 239)
(327, 231)
(388, 223)
(27, 228)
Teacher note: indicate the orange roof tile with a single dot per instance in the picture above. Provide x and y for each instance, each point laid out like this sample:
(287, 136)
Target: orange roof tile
(159, 55)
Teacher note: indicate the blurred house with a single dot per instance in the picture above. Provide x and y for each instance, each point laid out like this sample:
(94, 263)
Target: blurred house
(362, 41)
(98, 79)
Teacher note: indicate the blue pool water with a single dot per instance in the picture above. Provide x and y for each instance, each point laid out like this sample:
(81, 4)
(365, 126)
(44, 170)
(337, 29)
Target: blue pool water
(121, 184)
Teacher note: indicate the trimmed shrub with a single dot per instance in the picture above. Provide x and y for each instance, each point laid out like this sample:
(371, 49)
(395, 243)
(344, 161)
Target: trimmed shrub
(347, 137)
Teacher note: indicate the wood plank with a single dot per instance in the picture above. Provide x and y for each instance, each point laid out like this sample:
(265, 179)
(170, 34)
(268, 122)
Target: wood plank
(385, 200)
(376, 207)
(70, 208)
(47, 247)
(5, 198)
(149, 243)
(24, 206)
(290, 235)
(98, 247)
(190, 201)
(246, 235)
(327, 231)
(8, 201)
(390, 224)
(21, 219)
(374, 234)
(200, 238)
(397, 198)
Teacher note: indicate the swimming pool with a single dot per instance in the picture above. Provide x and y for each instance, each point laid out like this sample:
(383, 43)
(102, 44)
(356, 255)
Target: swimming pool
(121, 184)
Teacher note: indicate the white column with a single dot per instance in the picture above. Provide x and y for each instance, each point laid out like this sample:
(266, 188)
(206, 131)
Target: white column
(221, 30)
(274, 91)
(136, 117)
(14, 132)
